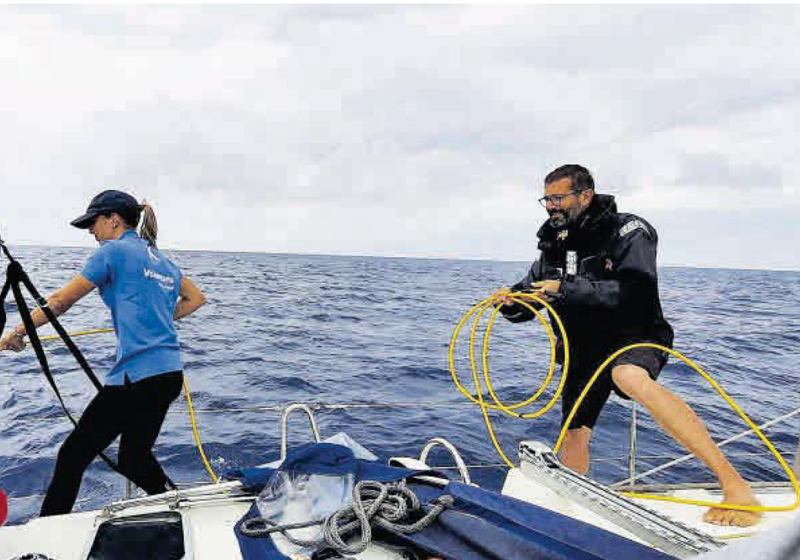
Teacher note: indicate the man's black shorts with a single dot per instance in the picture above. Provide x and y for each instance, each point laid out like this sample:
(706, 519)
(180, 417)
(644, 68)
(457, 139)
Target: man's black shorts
(581, 369)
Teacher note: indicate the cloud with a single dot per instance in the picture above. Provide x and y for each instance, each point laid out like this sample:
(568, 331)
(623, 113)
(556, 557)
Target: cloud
(710, 169)
(419, 130)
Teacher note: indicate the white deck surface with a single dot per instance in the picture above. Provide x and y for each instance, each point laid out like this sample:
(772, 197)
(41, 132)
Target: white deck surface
(523, 488)
(68, 537)
(693, 515)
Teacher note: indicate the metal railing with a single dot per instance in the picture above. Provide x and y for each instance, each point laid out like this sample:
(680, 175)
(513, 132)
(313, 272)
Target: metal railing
(633, 476)
(797, 459)
(285, 428)
(460, 465)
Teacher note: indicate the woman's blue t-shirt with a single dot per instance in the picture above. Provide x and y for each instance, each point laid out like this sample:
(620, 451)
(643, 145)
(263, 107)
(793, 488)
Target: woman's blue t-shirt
(140, 286)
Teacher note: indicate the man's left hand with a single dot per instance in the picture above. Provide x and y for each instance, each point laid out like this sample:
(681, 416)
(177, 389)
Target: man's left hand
(547, 289)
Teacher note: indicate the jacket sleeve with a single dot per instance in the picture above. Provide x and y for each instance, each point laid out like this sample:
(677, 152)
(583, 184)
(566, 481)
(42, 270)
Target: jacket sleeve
(635, 273)
(518, 313)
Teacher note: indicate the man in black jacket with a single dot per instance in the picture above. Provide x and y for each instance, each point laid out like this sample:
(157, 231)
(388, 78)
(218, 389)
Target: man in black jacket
(597, 268)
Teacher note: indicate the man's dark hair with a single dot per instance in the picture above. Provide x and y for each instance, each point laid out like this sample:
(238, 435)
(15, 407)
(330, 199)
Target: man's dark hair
(581, 178)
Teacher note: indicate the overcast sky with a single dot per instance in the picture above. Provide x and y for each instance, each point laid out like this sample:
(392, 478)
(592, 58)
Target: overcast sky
(404, 131)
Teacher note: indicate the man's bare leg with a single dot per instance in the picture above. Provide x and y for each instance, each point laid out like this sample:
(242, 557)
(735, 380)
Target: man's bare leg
(681, 422)
(575, 449)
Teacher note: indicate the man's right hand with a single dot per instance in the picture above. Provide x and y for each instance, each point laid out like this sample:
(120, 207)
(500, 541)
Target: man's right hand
(500, 297)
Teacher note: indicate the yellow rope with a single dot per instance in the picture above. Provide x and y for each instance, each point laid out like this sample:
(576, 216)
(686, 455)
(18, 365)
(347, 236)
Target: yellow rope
(193, 420)
(74, 334)
(479, 309)
(519, 297)
(214, 477)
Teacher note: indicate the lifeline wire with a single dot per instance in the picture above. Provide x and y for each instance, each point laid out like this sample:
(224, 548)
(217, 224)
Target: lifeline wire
(520, 297)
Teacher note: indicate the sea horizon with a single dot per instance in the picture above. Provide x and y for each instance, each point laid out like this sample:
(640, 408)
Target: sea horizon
(407, 257)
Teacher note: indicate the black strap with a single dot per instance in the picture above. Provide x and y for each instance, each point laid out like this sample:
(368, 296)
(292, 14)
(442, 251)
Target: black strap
(4, 291)
(15, 275)
(3, 294)
(23, 278)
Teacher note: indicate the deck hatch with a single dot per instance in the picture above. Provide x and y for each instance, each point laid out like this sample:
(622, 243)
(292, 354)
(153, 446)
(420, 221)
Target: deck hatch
(155, 536)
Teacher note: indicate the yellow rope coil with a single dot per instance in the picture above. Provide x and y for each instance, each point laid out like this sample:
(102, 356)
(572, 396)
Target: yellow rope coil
(518, 297)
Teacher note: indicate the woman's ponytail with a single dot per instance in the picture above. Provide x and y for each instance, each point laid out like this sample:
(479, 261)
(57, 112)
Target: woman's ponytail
(148, 229)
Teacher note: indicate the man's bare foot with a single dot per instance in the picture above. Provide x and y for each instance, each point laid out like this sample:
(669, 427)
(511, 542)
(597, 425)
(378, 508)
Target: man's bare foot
(741, 495)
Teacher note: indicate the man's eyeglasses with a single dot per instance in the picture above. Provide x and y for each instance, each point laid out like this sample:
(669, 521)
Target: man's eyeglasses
(556, 199)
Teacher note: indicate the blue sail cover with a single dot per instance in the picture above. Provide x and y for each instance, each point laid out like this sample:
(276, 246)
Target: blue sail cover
(481, 525)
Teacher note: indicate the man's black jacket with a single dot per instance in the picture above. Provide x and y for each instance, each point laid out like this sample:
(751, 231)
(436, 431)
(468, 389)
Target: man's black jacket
(611, 300)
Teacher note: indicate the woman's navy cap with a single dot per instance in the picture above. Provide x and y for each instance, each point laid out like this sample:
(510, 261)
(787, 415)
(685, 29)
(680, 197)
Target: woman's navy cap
(107, 202)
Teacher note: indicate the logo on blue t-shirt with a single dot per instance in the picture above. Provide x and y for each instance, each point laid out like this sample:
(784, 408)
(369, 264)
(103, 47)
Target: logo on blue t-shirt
(167, 283)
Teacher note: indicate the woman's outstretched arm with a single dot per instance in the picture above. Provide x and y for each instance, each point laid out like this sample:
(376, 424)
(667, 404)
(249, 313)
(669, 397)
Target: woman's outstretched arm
(58, 302)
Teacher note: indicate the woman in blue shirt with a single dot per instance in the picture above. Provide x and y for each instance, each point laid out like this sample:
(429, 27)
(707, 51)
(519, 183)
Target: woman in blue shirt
(146, 294)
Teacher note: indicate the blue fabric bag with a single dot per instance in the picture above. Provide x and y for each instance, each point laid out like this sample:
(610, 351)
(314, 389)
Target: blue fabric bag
(481, 525)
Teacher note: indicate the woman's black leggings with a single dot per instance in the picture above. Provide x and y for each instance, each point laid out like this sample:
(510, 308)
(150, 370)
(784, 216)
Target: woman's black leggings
(134, 411)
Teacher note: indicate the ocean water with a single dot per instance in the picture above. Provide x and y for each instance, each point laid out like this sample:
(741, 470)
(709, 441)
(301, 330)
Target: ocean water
(360, 330)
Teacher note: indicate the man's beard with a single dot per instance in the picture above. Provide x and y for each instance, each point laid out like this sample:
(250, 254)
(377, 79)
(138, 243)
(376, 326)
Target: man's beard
(560, 218)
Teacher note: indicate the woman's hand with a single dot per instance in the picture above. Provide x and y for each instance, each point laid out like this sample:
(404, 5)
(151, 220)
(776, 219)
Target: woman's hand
(58, 302)
(12, 340)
